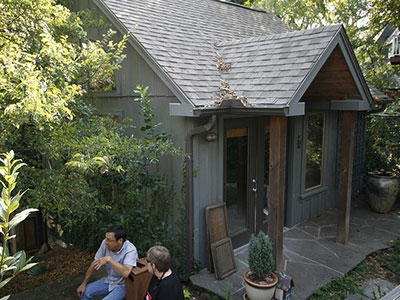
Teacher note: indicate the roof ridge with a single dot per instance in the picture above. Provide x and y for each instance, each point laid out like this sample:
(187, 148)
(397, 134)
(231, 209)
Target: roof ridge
(249, 8)
(244, 6)
(271, 36)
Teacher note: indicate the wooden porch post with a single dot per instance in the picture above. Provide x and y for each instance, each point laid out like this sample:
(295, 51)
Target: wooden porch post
(277, 186)
(345, 177)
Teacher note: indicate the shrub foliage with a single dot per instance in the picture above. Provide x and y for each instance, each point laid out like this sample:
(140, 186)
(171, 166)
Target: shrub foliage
(83, 172)
(261, 261)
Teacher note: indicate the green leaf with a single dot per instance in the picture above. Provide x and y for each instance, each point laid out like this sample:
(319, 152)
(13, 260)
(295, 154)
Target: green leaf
(28, 266)
(18, 218)
(12, 207)
(20, 259)
(5, 281)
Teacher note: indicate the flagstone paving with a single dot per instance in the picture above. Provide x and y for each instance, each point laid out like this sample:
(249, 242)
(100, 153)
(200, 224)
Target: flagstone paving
(311, 255)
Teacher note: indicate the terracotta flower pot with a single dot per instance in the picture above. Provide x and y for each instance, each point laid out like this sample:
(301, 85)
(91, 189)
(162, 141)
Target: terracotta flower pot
(257, 291)
(382, 189)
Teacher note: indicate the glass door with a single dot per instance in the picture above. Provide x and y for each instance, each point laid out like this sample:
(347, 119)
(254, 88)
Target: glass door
(240, 182)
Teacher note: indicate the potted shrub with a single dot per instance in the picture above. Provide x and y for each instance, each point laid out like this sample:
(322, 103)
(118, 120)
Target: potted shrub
(260, 280)
(382, 188)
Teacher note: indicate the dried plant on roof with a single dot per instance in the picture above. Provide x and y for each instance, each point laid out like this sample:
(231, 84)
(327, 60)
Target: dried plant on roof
(222, 65)
(226, 93)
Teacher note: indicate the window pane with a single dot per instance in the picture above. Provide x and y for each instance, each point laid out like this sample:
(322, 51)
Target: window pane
(236, 179)
(266, 171)
(314, 150)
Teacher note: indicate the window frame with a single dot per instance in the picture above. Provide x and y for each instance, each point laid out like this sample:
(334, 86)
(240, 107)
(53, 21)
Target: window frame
(314, 188)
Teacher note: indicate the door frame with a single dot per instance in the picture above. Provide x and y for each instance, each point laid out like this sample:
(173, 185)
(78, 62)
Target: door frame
(255, 170)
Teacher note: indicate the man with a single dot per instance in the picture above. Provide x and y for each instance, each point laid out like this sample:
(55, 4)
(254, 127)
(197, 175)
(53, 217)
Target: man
(164, 285)
(119, 256)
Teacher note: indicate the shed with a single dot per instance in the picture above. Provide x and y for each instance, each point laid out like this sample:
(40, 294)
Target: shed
(271, 117)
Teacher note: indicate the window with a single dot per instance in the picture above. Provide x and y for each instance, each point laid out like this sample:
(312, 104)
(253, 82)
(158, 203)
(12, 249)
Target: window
(314, 150)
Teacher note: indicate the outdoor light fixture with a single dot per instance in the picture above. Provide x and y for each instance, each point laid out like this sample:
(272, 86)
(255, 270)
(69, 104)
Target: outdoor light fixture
(211, 136)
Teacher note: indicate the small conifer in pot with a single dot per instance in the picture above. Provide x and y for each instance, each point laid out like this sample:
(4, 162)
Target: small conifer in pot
(260, 280)
(261, 261)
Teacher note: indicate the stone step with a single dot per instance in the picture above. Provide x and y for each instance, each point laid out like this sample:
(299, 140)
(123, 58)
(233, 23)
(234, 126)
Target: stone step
(393, 295)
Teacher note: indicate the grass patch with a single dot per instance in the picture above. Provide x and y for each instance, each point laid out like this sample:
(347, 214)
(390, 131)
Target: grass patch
(383, 264)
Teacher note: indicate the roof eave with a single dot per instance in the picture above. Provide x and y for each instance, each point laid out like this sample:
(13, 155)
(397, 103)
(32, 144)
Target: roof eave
(251, 111)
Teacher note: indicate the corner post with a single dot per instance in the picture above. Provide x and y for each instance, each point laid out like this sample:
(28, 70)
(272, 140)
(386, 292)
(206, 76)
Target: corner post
(277, 186)
(345, 177)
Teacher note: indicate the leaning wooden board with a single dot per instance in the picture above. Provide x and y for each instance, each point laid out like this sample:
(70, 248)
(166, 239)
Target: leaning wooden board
(217, 228)
(224, 261)
(220, 253)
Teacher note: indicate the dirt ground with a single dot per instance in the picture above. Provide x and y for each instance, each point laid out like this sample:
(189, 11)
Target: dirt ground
(54, 265)
(59, 263)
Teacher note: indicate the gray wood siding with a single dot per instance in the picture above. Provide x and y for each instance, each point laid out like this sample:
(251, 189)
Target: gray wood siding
(208, 169)
(120, 102)
(208, 185)
(303, 205)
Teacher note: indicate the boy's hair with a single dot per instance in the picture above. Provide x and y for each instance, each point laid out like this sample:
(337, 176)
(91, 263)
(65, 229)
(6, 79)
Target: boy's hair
(160, 256)
(118, 231)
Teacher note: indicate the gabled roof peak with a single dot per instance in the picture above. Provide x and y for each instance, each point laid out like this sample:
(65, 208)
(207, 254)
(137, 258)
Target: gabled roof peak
(269, 63)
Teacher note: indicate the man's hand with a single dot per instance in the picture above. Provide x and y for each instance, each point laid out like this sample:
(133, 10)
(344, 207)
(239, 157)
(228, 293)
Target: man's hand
(101, 262)
(81, 290)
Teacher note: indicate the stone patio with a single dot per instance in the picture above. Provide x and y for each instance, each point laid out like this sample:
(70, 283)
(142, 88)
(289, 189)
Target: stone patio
(311, 255)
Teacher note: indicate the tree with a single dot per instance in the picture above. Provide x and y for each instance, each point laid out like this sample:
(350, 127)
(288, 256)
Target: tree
(238, 1)
(386, 11)
(47, 61)
(298, 14)
(11, 265)
(83, 171)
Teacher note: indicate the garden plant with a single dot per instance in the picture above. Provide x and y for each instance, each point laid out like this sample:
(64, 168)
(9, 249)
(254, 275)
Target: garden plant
(11, 265)
(381, 264)
(83, 171)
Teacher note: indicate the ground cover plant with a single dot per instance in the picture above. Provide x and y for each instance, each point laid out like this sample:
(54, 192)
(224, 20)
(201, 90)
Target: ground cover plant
(381, 264)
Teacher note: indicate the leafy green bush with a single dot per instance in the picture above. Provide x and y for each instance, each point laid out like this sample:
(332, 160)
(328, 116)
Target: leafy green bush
(11, 265)
(94, 176)
(84, 173)
(383, 141)
(261, 261)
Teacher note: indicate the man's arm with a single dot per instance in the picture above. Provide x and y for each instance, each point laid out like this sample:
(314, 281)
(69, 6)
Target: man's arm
(81, 289)
(123, 270)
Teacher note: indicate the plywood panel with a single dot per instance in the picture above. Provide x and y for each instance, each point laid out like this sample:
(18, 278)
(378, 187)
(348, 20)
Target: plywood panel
(217, 228)
(223, 258)
(216, 222)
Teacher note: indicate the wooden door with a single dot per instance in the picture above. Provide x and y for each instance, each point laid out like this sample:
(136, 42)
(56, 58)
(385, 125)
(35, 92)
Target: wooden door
(244, 185)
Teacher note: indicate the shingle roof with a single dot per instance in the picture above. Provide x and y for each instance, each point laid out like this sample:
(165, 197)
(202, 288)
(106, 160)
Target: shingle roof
(268, 60)
(268, 70)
